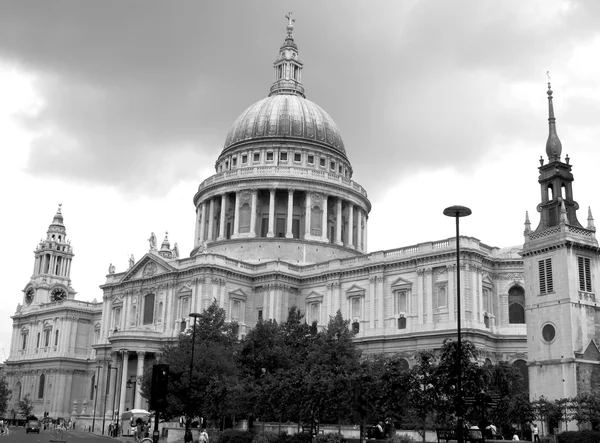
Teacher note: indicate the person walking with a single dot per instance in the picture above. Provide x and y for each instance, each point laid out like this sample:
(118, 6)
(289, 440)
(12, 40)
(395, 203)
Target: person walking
(203, 436)
(536, 434)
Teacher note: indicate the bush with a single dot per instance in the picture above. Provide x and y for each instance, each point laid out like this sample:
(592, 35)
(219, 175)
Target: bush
(266, 437)
(302, 437)
(331, 438)
(404, 438)
(587, 436)
(235, 436)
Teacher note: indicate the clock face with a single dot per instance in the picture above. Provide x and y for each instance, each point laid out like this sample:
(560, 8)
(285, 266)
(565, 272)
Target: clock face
(29, 295)
(58, 294)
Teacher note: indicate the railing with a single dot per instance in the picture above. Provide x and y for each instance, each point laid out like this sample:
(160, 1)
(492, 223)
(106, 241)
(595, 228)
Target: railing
(282, 171)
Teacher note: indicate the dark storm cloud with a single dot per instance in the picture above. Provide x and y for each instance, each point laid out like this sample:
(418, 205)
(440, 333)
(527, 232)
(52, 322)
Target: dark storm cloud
(141, 94)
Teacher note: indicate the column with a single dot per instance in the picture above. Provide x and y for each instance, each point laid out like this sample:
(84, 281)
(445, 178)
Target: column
(451, 293)
(197, 227)
(236, 217)
(113, 371)
(253, 214)
(338, 222)
(429, 288)
(420, 296)
(139, 373)
(307, 217)
(211, 216)
(364, 250)
(202, 224)
(222, 218)
(290, 214)
(350, 243)
(271, 232)
(380, 302)
(123, 390)
(324, 227)
(359, 229)
(372, 306)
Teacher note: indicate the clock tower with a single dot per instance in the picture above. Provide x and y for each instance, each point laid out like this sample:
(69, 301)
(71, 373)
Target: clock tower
(561, 268)
(51, 280)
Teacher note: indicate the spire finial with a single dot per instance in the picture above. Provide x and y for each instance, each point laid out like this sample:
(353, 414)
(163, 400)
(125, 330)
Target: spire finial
(527, 222)
(59, 208)
(290, 25)
(590, 220)
(553, 144)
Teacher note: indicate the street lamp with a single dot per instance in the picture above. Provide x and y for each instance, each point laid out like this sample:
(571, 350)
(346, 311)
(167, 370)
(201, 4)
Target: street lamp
(188, 422)
(96, 395)
(458, 212)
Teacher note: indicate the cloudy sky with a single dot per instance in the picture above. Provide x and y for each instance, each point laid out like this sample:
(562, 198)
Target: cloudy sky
(118, 110)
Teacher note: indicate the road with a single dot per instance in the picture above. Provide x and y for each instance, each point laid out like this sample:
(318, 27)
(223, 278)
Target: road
(18, 435)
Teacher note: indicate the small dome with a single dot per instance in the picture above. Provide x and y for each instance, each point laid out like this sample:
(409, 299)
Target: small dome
(285, 117)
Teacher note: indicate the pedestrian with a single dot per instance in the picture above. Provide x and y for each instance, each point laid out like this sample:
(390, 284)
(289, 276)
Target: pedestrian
(515, 436)
(110, 429)
(491, 431)
(203, 436)
(188, 437)
(181, 419)
(536, 434)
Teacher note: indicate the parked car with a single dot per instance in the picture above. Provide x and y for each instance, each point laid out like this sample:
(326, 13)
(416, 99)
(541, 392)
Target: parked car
(32, 426)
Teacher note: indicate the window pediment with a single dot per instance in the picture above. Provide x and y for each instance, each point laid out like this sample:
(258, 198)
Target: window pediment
(355, 291)
(238, 294)
(313, 297)
(401, 283)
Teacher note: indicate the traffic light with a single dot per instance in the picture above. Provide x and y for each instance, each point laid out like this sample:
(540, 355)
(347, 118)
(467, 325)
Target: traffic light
(159, 388)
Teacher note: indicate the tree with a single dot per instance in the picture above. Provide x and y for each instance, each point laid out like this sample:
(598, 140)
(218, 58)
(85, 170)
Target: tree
(25, 406)
(546, 412)
(5, 394)
(423, 390)
(213, 389)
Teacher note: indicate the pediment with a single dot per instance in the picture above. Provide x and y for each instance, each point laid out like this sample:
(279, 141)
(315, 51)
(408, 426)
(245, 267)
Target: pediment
(486, 279)
(149, 266)
(355, 290)
(591, 352)
(238, 294)
(401, 283)
(314, 296)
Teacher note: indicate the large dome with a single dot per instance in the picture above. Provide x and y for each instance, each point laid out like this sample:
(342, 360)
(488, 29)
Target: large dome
(287, 117)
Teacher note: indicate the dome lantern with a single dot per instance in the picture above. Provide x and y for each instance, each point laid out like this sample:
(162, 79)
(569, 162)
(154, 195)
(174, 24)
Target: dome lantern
(288, 68)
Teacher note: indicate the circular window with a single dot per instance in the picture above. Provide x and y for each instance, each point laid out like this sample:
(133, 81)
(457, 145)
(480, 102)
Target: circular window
(548, 333)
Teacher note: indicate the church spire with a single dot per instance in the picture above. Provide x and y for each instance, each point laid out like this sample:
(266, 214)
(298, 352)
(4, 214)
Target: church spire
(590, 220)
(288, 68)
(527, 223)
(553, 144)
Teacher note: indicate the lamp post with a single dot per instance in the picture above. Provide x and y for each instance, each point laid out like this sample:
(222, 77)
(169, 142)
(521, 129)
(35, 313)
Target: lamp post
(458, 212)
(96, 395)
(188, 422)
(106, 397)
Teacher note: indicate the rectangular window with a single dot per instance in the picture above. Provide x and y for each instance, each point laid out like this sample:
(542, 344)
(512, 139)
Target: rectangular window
(260, 315)
(486, 299)
(283, 156)
(401, 302)
(332, 165)
(442, 299)
(297, 157)
(585, 275)
(310, 159)
(244, 159)
(269, 156)
(545, 271)
(234, 161)
(47, 338)
(314, 312)
(322, 162)
(149, 309)
(38, 340)
(340, 169)
(355, 307)
(24, 345)
(257, 157)
(236, 309)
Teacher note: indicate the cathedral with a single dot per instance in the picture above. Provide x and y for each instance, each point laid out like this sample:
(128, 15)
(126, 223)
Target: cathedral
(283, 224)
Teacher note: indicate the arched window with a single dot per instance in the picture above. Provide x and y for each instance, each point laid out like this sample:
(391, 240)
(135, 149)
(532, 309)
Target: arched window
(149, 309)
(41, 386)
(92, 387)
(550, 192)
(516, 305)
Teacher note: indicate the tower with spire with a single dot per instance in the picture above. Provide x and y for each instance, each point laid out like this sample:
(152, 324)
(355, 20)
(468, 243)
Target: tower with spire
(561, 267)
(51, 279)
